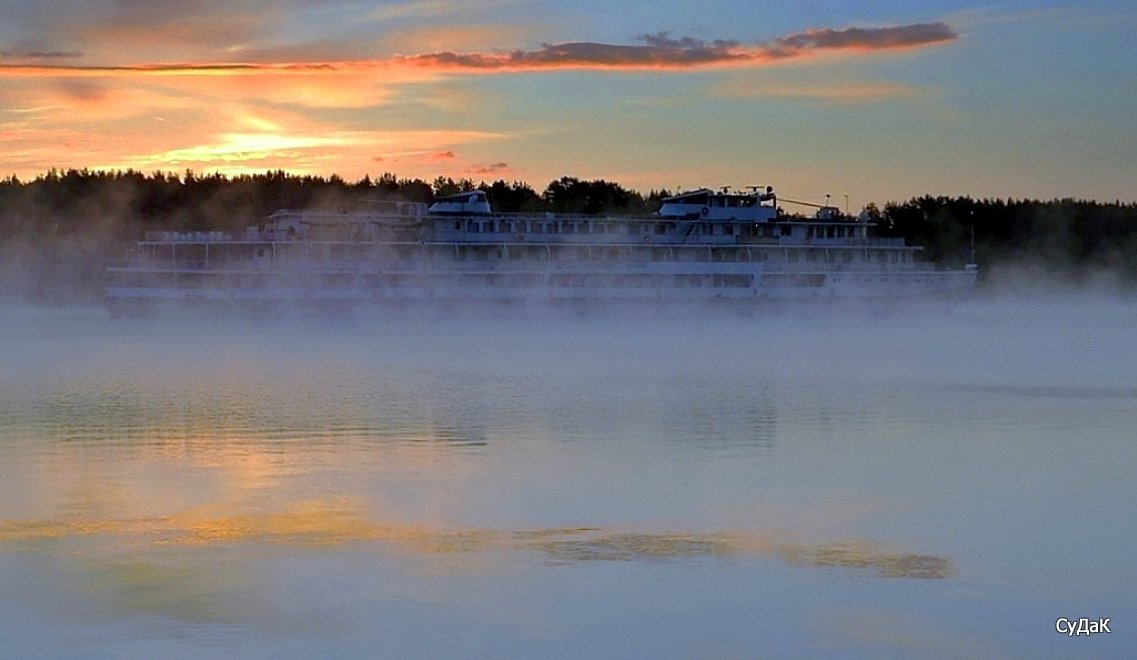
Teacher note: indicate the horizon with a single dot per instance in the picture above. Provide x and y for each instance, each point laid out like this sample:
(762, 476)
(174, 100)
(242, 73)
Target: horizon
(484, 184)
(880, 102)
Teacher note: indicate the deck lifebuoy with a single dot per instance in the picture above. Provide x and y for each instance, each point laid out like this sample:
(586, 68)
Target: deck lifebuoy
(705, 210)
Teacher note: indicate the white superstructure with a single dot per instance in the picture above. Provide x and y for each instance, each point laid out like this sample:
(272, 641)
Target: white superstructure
(701, 245)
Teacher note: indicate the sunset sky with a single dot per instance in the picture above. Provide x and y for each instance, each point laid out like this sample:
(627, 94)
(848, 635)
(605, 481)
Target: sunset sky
(878, 100)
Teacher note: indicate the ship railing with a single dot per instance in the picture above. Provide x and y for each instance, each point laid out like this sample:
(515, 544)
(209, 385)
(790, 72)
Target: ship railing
(366, 266)
(872, 241)
(825, 242)
(189, 236)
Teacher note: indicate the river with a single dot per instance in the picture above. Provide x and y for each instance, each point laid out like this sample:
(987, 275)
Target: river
(943, 484)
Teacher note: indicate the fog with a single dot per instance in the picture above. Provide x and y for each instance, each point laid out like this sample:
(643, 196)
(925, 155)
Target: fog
(1073, 337)
(606, 481)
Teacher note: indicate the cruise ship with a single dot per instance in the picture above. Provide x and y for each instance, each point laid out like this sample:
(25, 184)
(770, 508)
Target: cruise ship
(703, 245)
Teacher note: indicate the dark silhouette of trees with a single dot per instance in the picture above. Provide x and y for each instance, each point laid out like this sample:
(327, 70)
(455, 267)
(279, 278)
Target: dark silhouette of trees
(517, 197)
(445, 186)
(1074, 238)
(571, 195)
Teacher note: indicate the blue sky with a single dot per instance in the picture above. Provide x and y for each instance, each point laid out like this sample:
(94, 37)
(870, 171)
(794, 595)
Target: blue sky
(875, 100)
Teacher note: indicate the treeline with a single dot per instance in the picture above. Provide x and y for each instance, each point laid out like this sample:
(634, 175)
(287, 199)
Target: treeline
(58, 231)
(1073, 242)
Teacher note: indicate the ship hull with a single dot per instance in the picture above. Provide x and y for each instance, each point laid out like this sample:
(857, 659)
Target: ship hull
(735, 289)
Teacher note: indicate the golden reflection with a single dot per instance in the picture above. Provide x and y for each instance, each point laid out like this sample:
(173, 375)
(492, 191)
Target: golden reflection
(615, 546)
(870, 558)
(338, 521)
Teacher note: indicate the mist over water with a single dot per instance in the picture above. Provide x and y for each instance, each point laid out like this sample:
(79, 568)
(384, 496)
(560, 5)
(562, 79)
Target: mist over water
(567, 484)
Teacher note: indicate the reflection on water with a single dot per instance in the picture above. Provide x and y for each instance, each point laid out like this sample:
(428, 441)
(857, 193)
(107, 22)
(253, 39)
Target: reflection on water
(564, 487)
(332, 523)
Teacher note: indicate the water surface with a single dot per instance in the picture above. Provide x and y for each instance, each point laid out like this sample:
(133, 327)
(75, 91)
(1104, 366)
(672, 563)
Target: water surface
(928, 485)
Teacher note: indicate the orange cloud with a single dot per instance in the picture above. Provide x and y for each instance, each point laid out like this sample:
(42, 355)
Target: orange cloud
(658, 52)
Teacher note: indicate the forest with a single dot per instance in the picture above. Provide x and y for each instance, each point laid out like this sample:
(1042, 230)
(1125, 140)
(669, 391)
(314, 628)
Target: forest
(58, 231)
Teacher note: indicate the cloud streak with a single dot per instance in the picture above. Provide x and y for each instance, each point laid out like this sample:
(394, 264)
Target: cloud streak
(485, 170)
(40, 54)
(835, 93)
(661, 51)
(886, 38)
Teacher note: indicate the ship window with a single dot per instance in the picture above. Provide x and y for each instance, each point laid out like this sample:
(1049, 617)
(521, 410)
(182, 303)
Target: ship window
(520, 227)
(505, 227)
(457, 225)
(786, 230)
(537, 228)
(728, 230)
(660, 228)
(487, 226)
